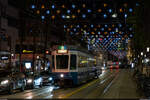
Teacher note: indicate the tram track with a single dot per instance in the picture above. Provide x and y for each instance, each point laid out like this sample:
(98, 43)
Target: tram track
(53, 92)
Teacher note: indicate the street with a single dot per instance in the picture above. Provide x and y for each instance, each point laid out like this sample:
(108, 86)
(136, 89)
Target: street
(114, 83)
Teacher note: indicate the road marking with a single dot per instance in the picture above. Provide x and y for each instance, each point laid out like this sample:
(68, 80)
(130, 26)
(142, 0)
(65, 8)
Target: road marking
(112, 81)
(83, 87)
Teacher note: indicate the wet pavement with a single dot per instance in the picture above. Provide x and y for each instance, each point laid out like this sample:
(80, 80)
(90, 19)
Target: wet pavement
(116, 83)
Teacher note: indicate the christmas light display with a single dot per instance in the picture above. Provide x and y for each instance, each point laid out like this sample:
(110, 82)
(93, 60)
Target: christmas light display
(108, 36)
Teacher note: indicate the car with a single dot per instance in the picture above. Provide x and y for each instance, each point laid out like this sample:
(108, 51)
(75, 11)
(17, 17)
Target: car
(10, 81)
(114, 65)
(33, 80)
(47, 77)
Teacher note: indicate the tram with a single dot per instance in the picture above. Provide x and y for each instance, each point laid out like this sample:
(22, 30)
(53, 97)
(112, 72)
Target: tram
(72, 66)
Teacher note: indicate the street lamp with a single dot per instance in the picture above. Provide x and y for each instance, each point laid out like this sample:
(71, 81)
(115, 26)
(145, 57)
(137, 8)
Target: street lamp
(148, 49)
(114, 15)
(141, 53)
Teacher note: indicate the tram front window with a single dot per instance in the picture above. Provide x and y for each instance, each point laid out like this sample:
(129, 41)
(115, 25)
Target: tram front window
(62, 61)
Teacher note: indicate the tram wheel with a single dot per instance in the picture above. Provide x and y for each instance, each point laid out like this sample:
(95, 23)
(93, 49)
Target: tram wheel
(61, 84)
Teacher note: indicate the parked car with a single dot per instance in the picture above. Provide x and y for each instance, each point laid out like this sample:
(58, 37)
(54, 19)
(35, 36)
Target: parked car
(47, 77)
(33, 80)
(10, 81)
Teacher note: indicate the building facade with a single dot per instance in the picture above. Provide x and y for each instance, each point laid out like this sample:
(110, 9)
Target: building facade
(9, 15)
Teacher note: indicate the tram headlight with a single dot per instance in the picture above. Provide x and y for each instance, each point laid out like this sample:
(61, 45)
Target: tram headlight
(29, 81)
(61, 75)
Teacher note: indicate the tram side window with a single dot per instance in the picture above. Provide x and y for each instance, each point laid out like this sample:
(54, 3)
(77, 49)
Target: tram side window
(53, 62)
(83, 62)
(73, 62)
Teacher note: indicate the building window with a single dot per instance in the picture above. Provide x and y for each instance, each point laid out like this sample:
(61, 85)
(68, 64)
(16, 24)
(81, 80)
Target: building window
(12, 21)
(13, 3)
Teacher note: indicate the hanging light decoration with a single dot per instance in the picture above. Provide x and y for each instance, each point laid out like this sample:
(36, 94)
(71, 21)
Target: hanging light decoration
(63, 6)
(99, 10)
(78, 10)
(38, 11)
(53, 16)
(125, 4)
(83, 5)
(68, 11)
(53, 6)
(105, 15)
(42, 17)
(63, 16)
(83, 15)
(58, 11)
(48, 12)
(120, 10)
(73, 16)
(73, 6)
(105, 5)
(89, 10)
(33, 6)
(110, 10)
(42, 6)
(125, 15)
(130, 10)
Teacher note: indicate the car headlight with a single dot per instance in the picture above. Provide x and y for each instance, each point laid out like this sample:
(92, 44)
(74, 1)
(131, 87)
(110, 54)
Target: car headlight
(50, 78)
(29, 81)
(61, 75)
(4, 82)
(102, 68)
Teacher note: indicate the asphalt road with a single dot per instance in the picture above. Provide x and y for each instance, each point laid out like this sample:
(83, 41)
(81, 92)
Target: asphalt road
(110, 84)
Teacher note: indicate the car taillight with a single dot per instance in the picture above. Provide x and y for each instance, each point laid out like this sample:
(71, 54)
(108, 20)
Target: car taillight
(111, 66)
(117, 66)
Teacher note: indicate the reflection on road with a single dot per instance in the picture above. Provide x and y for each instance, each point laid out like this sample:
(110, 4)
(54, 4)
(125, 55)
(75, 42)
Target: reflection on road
(56, 92)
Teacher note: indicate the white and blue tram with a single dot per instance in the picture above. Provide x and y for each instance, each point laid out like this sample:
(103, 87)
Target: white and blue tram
(72, 66)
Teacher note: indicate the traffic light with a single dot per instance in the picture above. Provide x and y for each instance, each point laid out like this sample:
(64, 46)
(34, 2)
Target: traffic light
(47, 52)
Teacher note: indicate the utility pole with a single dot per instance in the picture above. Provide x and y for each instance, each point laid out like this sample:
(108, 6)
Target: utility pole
(45, 30)
(9, 43)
